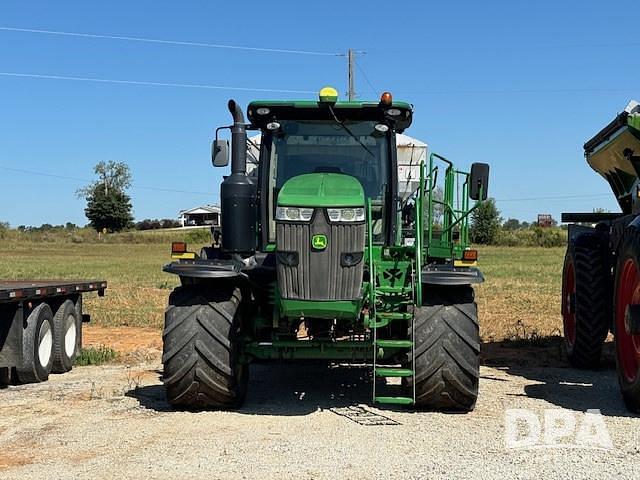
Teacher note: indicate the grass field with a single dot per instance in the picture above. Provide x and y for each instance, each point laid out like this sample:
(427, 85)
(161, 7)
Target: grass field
(519, 300)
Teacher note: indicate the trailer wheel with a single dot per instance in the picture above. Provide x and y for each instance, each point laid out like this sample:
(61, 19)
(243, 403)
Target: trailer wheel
(586, 300)
(200, 352)
(67, 326)
(37, 346)
(447, 343)
(627, 293)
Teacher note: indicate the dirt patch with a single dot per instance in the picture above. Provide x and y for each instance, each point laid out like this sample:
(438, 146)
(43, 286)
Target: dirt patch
(13, 459)
(122, 339)
(133, 344)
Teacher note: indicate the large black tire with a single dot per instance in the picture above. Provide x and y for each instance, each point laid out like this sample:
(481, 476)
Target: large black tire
(447, 364)
(627, 291)
(67, 326)
(586, 299)
(200, 352)
(37, 346)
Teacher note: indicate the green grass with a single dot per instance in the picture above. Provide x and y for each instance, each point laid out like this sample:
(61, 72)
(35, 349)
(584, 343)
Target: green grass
(521, 296)
(96, 356)
(519, 300)
(137, 289)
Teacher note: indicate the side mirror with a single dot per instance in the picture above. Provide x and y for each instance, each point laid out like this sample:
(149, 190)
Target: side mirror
(220, 153)
(479, 181)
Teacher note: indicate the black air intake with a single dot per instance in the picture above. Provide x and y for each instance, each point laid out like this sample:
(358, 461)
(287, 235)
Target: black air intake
(238, 194)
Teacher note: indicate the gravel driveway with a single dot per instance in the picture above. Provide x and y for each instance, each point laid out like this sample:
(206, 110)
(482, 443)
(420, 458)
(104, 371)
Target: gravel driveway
(303, 421)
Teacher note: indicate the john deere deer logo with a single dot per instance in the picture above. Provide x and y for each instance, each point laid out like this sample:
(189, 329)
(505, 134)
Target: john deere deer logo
(319, 242)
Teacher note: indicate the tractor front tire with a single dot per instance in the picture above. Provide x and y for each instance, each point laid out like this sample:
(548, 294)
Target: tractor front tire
(447, 349)
(586, 299)
(200, 350)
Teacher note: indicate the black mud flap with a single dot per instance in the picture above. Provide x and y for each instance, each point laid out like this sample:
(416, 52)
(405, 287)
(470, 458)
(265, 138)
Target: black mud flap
(203, 269)
(450, 276)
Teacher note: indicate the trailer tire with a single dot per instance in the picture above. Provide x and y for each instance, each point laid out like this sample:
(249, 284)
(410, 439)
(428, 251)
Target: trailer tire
(447, 343)
(37, 346)
(627, 292)
(586, 299)
(67, 326)
(200, 351)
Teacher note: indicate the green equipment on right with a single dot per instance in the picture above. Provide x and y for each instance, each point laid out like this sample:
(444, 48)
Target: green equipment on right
(601, 279)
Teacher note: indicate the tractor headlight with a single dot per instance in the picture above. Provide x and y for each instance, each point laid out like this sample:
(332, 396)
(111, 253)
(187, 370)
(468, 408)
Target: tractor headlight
(294, 214)
(346, 214)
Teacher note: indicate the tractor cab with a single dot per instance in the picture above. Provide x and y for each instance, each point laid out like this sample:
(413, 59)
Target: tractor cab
(326, 140)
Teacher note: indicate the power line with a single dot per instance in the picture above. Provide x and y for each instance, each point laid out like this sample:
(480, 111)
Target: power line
(366, 78)
(167, 42)
(76, 179)
(558, 197)
(155, 84)
(161, 189)
(516, 91)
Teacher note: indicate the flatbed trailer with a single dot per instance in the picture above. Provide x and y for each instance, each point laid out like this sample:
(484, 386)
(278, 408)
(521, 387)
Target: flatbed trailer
(41, 327)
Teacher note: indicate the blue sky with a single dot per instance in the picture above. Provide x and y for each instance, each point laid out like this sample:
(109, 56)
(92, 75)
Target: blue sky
(520, 85)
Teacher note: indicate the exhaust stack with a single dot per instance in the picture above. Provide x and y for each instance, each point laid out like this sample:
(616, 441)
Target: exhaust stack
(238, 194)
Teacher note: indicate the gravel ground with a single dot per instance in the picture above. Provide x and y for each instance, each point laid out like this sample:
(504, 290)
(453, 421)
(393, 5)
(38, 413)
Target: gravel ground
(305, 421)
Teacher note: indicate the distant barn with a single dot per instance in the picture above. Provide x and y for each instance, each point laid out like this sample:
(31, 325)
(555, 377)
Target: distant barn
(200, 216)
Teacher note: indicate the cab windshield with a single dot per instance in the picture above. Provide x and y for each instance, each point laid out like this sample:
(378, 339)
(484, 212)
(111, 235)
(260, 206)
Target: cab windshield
(350, 148)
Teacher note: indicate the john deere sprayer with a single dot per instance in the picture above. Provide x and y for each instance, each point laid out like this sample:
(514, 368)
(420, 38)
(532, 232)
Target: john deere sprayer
(321, 258)
(601, 280)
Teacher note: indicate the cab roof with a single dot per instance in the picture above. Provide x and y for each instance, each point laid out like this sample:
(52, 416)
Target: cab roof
(315, 110)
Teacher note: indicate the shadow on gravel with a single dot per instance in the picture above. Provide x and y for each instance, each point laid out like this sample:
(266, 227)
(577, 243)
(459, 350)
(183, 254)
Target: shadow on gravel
(151, 397)
(544, 361)
(301, 388)
(290, 389)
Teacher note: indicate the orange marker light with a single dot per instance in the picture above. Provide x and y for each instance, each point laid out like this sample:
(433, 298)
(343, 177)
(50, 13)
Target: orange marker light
(470, 255)
(386, 99)
(178, 247)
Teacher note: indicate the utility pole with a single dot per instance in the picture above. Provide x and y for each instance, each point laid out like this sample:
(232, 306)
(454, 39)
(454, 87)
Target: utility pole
(352, 59)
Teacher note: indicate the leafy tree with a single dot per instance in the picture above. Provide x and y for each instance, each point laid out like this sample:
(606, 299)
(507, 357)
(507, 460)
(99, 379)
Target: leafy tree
(512, 224)
(485, 222)
(108, 205)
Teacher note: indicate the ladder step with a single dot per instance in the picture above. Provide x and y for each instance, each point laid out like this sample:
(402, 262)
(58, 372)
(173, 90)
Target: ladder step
(394, 400)
(394, 290)
(393, 372)
(393, 315)
(394, 343)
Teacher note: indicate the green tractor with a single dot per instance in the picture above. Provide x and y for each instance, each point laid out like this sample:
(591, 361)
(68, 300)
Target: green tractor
(321, 258)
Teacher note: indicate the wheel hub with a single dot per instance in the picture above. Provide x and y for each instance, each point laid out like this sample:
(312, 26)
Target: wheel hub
(70, 336)
(45, 343)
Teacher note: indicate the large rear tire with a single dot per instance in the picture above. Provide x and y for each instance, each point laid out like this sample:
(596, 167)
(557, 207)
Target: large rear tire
(627, 292)
(447, 343)
(586, 299)
(37, 346)
(200, 352)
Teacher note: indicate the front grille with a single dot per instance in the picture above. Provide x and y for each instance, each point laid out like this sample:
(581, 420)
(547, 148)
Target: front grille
(318, 274)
